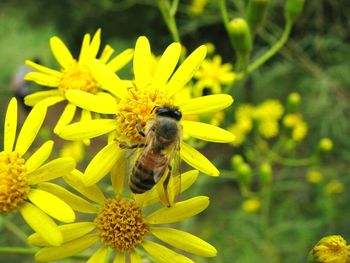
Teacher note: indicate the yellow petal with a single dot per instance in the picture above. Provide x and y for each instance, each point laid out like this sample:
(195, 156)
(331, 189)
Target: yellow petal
(99, 255)
(87, 129)
(118, 175)
(95, 44)
(166, 65)
(30, 128)
(67, 249)
(66, 117)
(61, 52)
(84, 50)
(163, 254)
(187, 69)
(134, 257)
(142, 61)
(86, 116)
(53, 169)
(121, 60)
(75, 202)
(101, 103)
(197, 160)
(207, 132)
(184, 241)
(102, 163)
(74, 179)
(43, 69)
(10, 125)
(152, 197)
(106, 54)
(52, 205)
(39, 96)
(179, 211)
(43, 79)
(69, 232)
(41, 224)
(120, 258)
(39, 156)
(107, 79)
(206, 104)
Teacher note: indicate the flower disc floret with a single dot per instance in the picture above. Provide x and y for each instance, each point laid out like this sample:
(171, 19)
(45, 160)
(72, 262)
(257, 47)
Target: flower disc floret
(14, 185)
(137, 108)
(120, 224)
(77, 77)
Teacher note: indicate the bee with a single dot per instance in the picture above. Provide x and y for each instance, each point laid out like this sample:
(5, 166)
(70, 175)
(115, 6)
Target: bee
(161, 145)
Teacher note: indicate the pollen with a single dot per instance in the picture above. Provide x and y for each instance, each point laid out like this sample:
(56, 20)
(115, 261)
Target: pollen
(77, 77)
(14, 185)
(136, 109)
(120, 224)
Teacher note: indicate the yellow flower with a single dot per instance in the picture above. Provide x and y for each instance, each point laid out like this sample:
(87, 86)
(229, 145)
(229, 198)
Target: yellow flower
(74, 150)
(334, 187)
(122, 225)
(213, 75)
(21, 178)
(295, 122)
(135, 107)
(74, 78)
(314, 177)
(267, 115)
(197, 7)
(251, 205)
(332, 249)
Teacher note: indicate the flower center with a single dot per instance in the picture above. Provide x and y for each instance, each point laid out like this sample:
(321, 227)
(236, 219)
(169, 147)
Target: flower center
(120, 224)
(77, 77)
(14, 185)
(137, 108)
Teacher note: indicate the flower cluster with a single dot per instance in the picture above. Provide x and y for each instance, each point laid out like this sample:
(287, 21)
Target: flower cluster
(147, 117)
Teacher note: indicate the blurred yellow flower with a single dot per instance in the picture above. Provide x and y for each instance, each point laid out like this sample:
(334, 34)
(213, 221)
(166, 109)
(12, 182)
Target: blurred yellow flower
(22, 178)
(325, 145)
(74, 81)
(122, 225)
(251, 205)
(135, 108)
(331, 249)
(74, 150)
(212, 75)
(267, 114)
(298, 126)
(334, 187)
(197, 7)
(314, 177)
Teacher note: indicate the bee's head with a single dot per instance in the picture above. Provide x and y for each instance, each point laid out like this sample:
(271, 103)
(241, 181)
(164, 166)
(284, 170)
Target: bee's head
(169, 111)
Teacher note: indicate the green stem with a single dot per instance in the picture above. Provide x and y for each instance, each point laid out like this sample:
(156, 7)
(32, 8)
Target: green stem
(295, 162)
(168, 13)
(226, 21)
(271, 52)
(15, 230)
(18, 250)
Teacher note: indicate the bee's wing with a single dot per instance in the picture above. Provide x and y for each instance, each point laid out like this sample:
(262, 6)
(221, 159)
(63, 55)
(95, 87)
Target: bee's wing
(169, 186)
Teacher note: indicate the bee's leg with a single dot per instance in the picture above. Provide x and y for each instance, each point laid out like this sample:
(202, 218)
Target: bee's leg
(165, 185)
(138, 128)
(125, 146)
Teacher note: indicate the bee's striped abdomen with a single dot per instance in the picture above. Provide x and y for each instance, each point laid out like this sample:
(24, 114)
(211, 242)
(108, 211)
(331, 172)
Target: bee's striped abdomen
(146, 169)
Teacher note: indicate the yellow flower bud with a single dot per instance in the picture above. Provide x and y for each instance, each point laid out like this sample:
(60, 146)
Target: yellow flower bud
(293, 102)
(314, 177)
(293, 9)
(236, 161)
(245, 174)
(251, 205)
(256, 12)
(325, 145)
(241, 37)
(265, 172)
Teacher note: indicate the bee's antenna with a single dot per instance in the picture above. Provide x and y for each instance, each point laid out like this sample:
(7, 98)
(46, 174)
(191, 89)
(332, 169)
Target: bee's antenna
(154, 108)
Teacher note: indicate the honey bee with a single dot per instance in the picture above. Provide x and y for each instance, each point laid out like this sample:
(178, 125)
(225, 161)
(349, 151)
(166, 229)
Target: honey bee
(160, 147)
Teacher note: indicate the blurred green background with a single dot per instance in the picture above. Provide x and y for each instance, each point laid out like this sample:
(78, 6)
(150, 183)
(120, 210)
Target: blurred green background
(315, 62)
